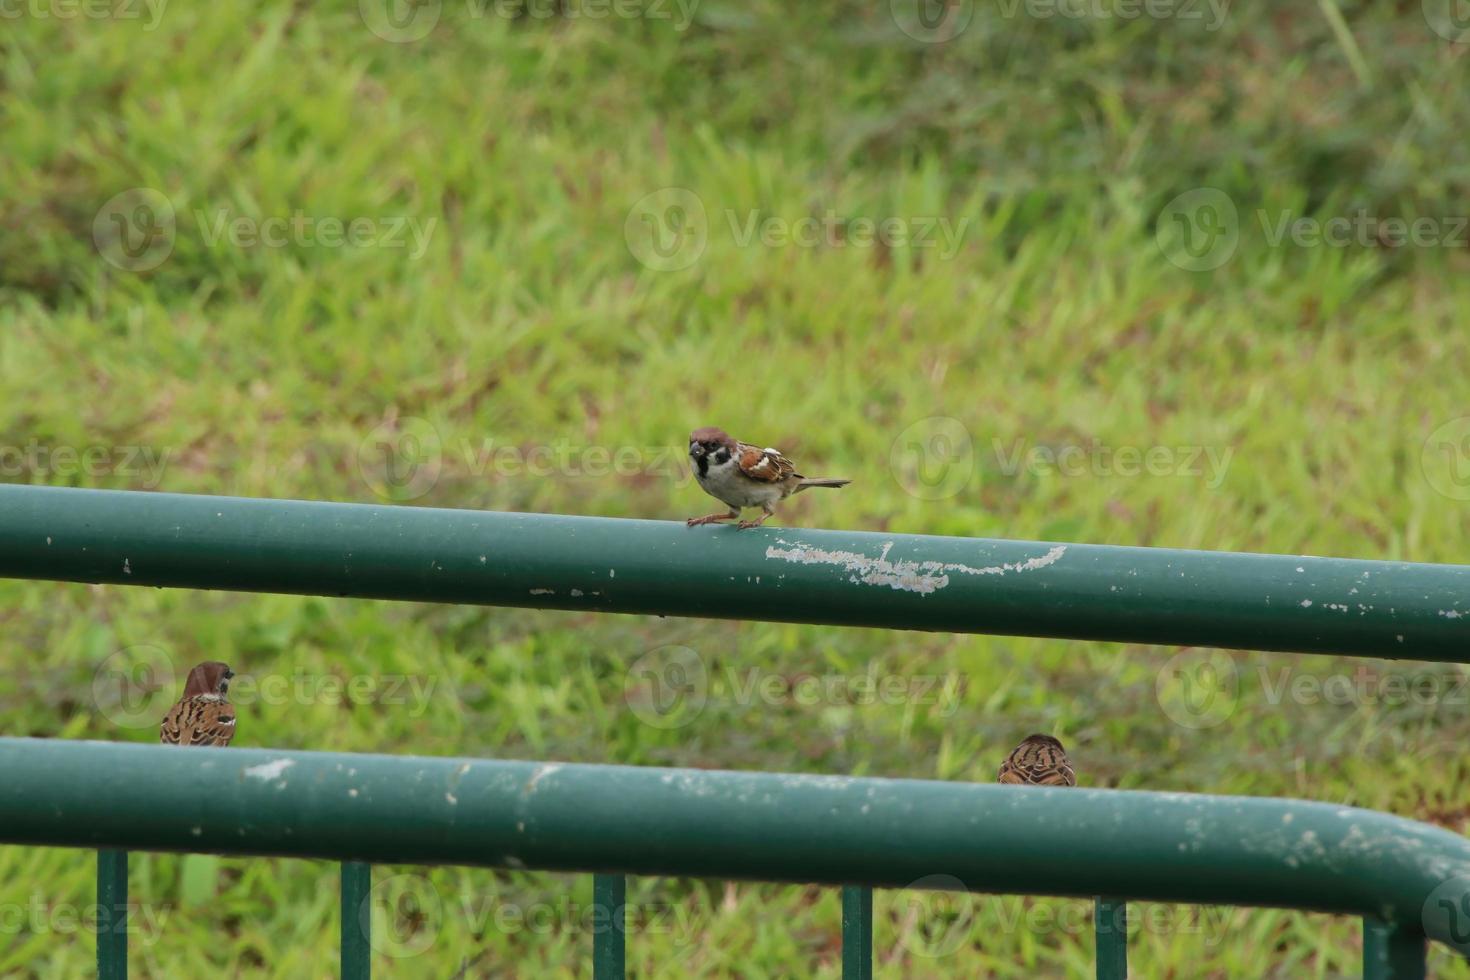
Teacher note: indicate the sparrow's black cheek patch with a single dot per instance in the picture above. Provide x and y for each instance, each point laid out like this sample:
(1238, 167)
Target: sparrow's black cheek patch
(723, 456)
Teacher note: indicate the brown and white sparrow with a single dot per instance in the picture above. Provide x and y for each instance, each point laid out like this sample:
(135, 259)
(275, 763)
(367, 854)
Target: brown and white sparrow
(202, 716)
(742, 475)
(1039, 760)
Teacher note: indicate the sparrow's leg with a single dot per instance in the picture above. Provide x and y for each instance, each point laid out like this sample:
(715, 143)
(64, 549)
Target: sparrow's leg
(712, 518)
(768, 511)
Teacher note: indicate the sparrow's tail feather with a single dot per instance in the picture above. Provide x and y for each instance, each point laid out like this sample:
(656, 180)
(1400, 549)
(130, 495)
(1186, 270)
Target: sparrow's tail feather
(819, 483)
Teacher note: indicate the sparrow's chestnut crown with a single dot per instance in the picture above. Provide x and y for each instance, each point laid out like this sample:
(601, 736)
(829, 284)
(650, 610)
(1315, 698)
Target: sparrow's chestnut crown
(707, 440)
(210, 677)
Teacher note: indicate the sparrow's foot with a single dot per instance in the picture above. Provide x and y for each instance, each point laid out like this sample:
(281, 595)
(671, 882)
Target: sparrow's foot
(745, 525)
(710, 519)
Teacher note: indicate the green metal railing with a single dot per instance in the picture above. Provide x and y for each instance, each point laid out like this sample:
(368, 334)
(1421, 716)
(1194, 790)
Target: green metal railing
(619, 820)
(1403, 878)
(842, 578)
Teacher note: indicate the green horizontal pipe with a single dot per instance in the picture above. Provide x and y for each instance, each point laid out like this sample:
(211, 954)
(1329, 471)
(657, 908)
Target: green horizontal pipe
(850, 578)
(1167, 847)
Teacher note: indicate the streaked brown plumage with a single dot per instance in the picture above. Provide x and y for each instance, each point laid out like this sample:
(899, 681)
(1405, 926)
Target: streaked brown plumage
(1039, 760)
(202, 716)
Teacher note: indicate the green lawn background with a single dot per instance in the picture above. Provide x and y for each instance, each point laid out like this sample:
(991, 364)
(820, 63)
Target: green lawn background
(585, 288)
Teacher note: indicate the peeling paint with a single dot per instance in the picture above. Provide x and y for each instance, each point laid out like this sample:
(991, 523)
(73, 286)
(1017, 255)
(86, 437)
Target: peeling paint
(543, 592)
(541, 773)
(269, 770)
(922, 577)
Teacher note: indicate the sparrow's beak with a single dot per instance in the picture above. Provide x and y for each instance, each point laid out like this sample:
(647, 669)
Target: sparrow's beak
(696, 450)
(229, 673)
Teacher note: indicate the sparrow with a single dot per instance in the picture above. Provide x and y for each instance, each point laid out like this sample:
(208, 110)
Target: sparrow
(202, 716)
(742, 475)
(1039, 760)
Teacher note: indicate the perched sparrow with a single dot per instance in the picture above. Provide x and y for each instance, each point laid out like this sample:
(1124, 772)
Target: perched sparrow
(202, 716)
(742, 475)
(1039, 760)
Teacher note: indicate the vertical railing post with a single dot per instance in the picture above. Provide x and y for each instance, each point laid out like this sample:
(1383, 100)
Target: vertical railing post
(357, 920)
(1392, 952)
(609, 937)
(857, 932)
(1110, 920)
(112, 918)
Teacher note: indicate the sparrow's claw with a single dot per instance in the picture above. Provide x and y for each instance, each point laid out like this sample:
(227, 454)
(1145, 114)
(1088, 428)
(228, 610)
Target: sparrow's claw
(710, 519)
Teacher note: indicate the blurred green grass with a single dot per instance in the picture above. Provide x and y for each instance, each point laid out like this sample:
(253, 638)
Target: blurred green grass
(523, 147)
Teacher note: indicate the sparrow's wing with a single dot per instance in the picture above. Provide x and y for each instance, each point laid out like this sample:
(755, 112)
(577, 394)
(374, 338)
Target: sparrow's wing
(766, 465)
(169, 731)
(197, 721)
(1037, 765)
